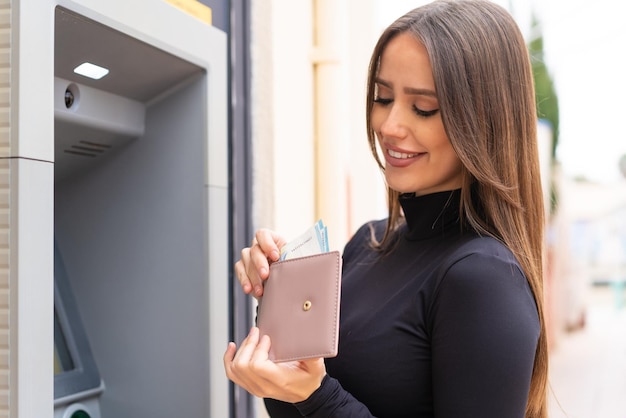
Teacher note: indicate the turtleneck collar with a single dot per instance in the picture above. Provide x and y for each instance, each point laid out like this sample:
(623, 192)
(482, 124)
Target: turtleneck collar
(430, 215)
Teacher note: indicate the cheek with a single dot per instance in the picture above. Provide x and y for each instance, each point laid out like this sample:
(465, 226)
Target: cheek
(446, 151)
(451, 160)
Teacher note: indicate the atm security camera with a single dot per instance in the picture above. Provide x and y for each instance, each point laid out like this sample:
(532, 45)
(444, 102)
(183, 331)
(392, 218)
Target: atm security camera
(69, 98)
(72, 96)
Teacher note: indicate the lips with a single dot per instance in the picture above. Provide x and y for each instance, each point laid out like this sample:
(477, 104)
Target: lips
(401, 158)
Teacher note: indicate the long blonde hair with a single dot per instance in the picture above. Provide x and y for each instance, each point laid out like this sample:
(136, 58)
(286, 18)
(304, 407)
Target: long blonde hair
(485, 89)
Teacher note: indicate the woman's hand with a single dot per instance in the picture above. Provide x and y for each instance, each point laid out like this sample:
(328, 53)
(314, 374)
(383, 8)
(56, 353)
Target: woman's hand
(253, 267)
(251, 368)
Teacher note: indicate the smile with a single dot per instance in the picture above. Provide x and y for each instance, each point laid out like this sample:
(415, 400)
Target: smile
(401, 155)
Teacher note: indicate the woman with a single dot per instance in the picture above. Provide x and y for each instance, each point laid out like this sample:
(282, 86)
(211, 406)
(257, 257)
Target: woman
(441, 309)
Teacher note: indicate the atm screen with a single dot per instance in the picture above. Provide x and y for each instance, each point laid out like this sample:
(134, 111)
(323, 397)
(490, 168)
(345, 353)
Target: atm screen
(75, 369)
(62, 358)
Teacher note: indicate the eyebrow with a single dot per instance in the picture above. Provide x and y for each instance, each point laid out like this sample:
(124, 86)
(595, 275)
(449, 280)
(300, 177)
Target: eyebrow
(407, 90)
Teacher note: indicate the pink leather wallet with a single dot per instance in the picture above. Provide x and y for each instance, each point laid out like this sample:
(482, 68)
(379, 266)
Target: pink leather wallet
(299, 309)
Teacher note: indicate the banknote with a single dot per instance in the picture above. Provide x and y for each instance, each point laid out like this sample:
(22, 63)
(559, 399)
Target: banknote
(313, 241)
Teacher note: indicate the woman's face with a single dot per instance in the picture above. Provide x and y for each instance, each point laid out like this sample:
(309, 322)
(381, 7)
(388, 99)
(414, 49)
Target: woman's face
(406, 118)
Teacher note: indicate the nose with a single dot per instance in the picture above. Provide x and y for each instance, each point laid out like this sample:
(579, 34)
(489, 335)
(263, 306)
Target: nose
(394, 123)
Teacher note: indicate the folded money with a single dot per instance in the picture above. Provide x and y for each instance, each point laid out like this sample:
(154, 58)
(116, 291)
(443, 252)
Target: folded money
(313, 241)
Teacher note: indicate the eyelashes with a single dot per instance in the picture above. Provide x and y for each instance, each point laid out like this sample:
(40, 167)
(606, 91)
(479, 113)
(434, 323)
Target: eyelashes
(425, 113)
(382, 101)
(420, 112)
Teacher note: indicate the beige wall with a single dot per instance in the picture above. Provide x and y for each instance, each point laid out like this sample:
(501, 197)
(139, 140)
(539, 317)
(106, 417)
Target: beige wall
(5, 204)
(311, 158)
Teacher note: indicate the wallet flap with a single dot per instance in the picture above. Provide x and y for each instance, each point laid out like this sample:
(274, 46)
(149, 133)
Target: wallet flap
(299, 309)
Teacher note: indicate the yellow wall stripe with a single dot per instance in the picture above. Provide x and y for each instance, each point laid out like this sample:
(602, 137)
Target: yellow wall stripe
(194, 8)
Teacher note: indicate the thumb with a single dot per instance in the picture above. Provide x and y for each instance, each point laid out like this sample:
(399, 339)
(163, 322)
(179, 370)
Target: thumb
(312, 365)
(229, 354)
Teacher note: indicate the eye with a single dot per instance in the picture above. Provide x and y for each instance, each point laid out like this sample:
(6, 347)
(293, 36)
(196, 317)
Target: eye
(424, 113)
(382, 101)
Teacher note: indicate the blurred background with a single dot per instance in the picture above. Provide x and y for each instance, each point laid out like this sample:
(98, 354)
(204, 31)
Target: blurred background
(310, 159)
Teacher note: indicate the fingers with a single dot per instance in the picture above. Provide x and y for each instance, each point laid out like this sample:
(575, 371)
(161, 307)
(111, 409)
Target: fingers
(247, 347)
(261, 354)
(245, 366)
(265, 250)
(269, 243)
(251, 368)
(258, 269)
(241, 273)
(229, 356)
(253, 267)
(238, 359)
(231, 349)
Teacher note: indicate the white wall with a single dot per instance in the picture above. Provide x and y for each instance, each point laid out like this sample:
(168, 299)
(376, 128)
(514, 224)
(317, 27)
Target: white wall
(282, 116)
(285, 114)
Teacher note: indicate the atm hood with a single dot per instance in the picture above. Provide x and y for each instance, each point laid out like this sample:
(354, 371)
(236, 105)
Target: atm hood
(106, 114)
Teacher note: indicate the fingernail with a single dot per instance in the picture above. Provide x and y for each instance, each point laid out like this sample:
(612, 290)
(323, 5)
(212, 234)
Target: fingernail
(275, 255)
(247, 288)
(258, 290)
(263, 272)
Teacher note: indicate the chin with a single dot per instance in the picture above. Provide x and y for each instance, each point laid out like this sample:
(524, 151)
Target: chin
(404, 189)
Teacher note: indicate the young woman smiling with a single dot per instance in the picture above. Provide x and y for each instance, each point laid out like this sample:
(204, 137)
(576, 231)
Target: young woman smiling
(442, 309)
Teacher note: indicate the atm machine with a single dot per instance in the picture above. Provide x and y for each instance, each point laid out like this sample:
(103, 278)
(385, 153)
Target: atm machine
(140, 211)
(77, 382)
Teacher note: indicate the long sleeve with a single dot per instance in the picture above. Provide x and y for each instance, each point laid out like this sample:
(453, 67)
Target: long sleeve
(484, 335)
(332, 401)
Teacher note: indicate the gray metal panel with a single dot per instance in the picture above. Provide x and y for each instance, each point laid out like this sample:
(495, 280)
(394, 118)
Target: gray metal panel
(133, 234)
(241, 181)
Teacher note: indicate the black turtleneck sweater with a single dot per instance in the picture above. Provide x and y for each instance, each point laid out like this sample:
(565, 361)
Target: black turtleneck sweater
(443, 326)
